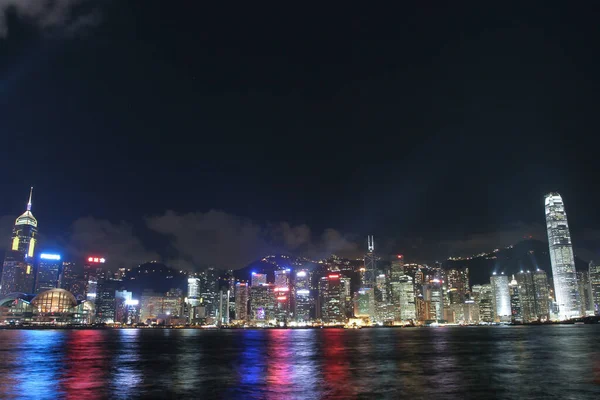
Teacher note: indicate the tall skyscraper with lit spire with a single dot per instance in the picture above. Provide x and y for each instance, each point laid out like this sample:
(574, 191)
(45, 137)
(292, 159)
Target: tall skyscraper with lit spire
(17, 269)
(561, 257)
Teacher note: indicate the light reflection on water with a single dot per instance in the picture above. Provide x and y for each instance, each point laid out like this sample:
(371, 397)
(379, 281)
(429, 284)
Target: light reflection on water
(511, 362)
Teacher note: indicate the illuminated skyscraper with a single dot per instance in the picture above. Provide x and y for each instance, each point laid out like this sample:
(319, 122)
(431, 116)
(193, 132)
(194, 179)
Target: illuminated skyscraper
(17, 271)
(406, 298)
(370, 264)
(47, 272)
(303, 299)
(594, 271)
(458, 284)
(193, 293)
(542, 296)
(258, 279)
(433, 296)
(527, 296)
(282, 277)
(561, 257)
(501, 297)
(332, 303)
(515, 301)
(484, 298)
(585, 293)
(262, 303)
(241, 301)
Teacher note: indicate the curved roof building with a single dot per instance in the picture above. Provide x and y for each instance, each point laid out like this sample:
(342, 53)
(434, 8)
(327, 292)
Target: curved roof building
(54, 301)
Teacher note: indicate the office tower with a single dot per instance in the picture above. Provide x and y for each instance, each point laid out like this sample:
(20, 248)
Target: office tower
(514, 292)
(241, 301)
(406, 298)
(223, 312)
(92, 274)
(262, 303)
(433, 296)
(501, 297)
(17, 270)
(527, 294)
(303, 301)
(364, 303)
(397, 267)
(209, 292)
(259, 279)
(561, 257)
(193, 296)
(332, 305)
(106, 300)
(47, 272)
(125, 307)
(370, 264)
(72, 280)
(282, 304)
(282, 278)
(585, 293)
(458, 284)
(542, 296)
(484, 297)
(594, 272)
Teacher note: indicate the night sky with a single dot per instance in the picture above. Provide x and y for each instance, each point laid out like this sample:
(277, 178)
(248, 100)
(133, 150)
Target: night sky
(198, 135)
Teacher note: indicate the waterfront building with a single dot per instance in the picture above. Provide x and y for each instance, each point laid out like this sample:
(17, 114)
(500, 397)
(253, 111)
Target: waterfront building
(594, 273)
(262, 304)
(72, 280)
(433, 294)
(48, 271)
(193, 291)
(566, 289)
(483, 296)
(241, 301)
(17, 270)
(332, 304)
(457, 284)
(527, 294)
(585, 293)
(370, 264)
(501, 297)
(223, 313)
(516, 301)
(543, 299)
(364, 303)
(406, 298)
(303, 301)
(51, 307)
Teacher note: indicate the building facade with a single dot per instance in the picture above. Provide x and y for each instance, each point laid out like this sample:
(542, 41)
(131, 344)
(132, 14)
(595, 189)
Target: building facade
(17, 270)
(566, 289)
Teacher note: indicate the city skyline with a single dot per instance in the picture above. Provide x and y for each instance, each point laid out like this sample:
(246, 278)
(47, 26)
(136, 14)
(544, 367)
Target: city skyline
(279, 239)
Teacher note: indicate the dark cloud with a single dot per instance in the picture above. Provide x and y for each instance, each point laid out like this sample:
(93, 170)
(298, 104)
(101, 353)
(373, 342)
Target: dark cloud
(47, 14)
(117, 242)
(225, 240)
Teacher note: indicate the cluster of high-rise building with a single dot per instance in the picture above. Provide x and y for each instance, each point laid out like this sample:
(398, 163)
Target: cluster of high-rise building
(44, 288)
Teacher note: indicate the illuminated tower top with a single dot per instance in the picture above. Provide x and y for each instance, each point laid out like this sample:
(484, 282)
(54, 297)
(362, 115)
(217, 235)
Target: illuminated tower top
(370, 244)
(27, 217)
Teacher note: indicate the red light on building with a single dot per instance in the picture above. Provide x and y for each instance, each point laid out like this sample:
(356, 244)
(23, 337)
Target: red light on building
(281, 298)
(400, 256)
(100, 260)
(333, 276)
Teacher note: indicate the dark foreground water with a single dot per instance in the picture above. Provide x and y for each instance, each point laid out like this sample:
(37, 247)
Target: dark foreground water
(433, 363)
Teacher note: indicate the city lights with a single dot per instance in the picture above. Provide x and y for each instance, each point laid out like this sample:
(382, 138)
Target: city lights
(46, 256)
